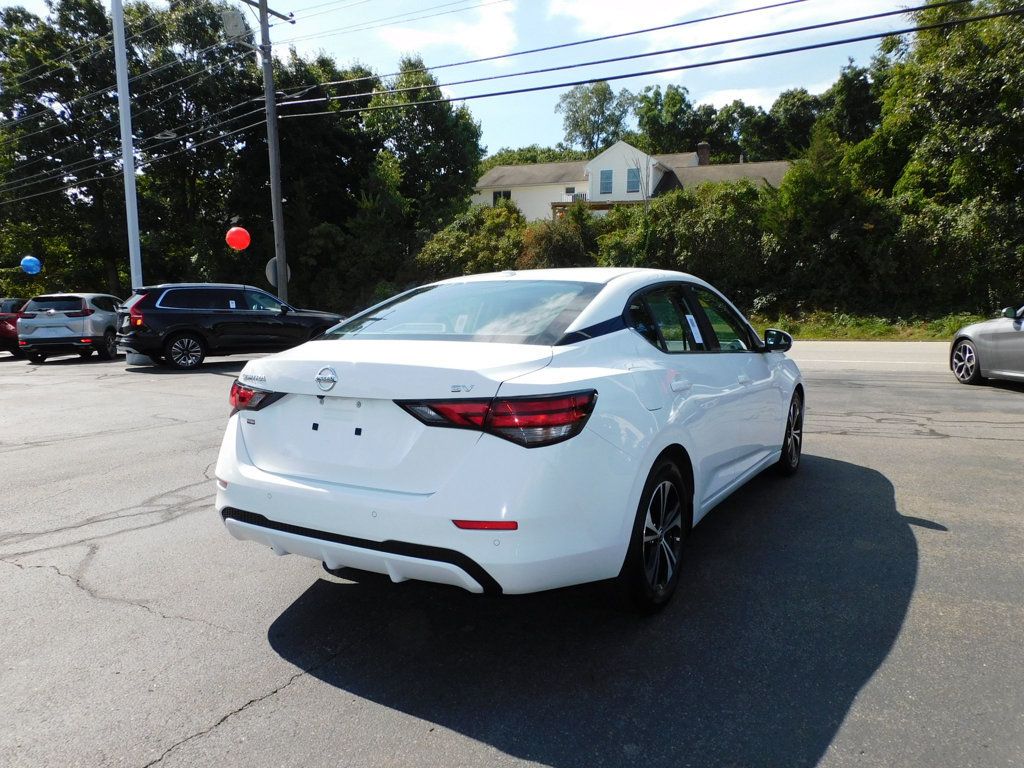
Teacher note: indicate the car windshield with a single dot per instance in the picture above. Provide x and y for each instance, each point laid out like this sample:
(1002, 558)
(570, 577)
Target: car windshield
(58, 303)
(511, 312)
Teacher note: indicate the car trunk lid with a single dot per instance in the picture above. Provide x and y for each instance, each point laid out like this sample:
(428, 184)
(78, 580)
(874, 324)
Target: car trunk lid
(339, 423)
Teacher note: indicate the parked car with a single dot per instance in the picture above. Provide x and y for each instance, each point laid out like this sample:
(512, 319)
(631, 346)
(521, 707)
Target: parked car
(9, 325)
(60, 323)
(182, 323)
(512, 432)
(993, 349)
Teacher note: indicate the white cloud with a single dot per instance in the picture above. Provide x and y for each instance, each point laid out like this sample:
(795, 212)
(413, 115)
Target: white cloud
(755, 97)
(492, 32)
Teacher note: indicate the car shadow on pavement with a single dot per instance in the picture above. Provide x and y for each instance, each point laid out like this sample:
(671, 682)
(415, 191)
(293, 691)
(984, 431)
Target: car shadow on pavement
(793, 594)
(225, 367)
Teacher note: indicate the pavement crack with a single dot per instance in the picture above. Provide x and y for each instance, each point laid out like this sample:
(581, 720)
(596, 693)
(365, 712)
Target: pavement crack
(239, 710)
(96, 595)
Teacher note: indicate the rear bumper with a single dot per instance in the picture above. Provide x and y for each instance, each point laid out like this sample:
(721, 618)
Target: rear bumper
(571, 502)
(60, 344)
(401, 560)
(145, 345)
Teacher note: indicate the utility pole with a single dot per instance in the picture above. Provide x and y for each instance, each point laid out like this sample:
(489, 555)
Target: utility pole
(273, 150)
(124, 108)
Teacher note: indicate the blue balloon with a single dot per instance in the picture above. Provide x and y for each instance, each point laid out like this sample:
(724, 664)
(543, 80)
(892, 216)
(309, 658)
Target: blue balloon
(31, 265)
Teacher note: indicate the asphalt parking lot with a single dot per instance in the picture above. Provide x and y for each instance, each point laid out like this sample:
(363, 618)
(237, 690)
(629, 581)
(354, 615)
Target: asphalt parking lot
(868, 612)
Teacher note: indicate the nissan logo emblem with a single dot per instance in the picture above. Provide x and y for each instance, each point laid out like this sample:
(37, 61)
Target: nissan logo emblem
(326, 378)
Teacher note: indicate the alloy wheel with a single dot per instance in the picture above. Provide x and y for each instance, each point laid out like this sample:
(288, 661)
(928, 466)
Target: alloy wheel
(186, 352)
(663, 535)
(794, 433)
(965, 361)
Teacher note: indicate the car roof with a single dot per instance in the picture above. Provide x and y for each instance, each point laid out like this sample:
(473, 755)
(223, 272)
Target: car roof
(602, 275)
(162, 286)
(73, 296)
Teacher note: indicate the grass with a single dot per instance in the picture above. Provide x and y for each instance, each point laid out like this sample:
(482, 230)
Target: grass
(833, 326)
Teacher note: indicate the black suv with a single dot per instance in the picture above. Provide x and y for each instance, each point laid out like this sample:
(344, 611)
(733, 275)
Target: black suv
(182, 323)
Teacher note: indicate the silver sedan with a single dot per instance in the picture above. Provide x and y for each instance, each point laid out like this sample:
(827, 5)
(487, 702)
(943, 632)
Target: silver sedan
(993, 349)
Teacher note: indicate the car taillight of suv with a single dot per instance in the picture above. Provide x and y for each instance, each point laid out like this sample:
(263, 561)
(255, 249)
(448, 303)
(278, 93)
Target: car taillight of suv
(135, 316)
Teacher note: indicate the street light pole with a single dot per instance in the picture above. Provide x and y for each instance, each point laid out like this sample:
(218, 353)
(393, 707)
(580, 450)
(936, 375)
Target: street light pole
(127, 151)
(276, 203)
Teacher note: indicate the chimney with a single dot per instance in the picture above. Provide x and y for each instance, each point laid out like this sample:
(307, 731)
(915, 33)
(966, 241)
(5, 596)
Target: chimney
(703, 153)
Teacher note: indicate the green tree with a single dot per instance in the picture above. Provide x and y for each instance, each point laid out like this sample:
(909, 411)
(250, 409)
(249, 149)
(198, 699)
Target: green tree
(594, 116)
(534, 153)
(483, 239)
(793, 114)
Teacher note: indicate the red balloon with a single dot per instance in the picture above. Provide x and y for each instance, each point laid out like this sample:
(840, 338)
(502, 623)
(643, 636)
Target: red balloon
(238, 238)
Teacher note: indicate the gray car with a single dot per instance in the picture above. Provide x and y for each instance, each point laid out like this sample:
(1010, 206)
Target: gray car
(993, 349)
(62, 323)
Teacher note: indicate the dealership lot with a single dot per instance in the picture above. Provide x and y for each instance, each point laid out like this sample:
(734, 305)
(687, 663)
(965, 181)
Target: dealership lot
(868, 611)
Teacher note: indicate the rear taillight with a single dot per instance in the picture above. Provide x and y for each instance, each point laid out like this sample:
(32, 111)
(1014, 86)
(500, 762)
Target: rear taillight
(135, 314)
(243, 398)
(28, 315)
(528, 421)
(80, 313)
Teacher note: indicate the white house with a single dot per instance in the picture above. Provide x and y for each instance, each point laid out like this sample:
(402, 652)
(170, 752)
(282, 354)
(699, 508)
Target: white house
(620, 175)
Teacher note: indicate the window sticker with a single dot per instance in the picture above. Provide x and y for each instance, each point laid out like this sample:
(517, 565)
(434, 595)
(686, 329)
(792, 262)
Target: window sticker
(694, 329)
(231, 304)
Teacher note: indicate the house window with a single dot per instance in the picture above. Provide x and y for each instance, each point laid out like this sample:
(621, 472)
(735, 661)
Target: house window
(606, 182)
(501, 194)
(632, 179)
(570, 190)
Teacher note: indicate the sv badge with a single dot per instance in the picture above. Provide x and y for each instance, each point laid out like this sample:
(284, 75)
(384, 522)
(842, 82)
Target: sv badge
(462, 388)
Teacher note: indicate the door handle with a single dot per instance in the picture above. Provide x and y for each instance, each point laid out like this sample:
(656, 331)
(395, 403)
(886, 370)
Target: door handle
(743, 378)
(681, 385)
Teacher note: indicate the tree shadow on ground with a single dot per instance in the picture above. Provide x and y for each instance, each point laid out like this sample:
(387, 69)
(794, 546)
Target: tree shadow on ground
(793, 594)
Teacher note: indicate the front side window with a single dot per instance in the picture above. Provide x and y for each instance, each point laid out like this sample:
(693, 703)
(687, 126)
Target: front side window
(732, 332)
(632, 179)
(203, 298)
(262, 302)
(509, 312)
(606, 182)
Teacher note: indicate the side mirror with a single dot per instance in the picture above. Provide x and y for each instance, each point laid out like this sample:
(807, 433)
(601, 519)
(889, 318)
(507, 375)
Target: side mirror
(1009, 312)
(777, 341)
(284, 309)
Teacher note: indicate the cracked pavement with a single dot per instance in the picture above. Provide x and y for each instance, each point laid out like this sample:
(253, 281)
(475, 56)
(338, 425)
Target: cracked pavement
(868, 612)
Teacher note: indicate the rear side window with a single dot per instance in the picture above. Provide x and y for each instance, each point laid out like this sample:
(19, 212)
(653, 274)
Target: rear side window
(510, 312)
(660, 316)
(57, 303)
(104, 303)
(11, 305)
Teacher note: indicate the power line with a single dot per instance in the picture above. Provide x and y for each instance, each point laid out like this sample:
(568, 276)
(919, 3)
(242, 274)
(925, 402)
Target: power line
(367, 25)
(339, 7)
(631, 57)
(665, 70)
(112, 87)
(91, 162)
(64, 105)
(571, 44)
(145, 164)
(113, 126)
(59, 66)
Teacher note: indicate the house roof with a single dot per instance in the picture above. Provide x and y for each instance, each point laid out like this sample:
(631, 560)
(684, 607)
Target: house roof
(770, 172)
(677, 160)
(537, 173)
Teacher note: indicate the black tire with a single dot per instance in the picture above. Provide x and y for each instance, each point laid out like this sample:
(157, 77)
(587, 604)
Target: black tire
(793, 442)
(965, 363)
(84, 353)
(663, 520)
(17, 353)
(36, 357)
(185, 351)
(108, 349)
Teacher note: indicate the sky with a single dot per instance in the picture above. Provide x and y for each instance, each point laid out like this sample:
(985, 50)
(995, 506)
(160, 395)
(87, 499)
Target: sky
(377, 33)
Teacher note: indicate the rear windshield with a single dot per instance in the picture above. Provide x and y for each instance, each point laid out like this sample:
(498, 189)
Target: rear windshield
(510, 312)
(58, 303)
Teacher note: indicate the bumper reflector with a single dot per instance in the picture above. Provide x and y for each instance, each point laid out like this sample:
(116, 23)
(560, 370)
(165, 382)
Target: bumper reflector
(487, 525)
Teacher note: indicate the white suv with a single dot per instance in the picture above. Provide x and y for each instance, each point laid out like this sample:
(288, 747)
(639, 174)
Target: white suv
(62, 323)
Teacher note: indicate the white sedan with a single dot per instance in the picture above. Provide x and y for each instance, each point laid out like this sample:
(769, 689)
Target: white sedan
(512, 432)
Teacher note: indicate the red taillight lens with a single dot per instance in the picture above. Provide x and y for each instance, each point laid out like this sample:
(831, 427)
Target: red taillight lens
(135, 314)
(29, 315)
(529, 421)
(80, 313)
(243, 398)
